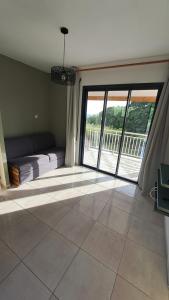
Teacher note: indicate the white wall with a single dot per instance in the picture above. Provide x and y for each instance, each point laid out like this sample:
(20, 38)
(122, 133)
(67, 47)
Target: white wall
(135, 74)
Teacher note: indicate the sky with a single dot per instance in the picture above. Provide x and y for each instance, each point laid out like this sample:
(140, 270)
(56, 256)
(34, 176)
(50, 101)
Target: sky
(94, 107)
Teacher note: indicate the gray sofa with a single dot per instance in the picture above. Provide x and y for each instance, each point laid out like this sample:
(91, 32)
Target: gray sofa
(31, 156)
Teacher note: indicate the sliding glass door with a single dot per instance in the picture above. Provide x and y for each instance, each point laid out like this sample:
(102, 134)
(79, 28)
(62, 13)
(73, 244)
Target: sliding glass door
(94, 112)
(139, 115)
(112, 130)
(116, 121)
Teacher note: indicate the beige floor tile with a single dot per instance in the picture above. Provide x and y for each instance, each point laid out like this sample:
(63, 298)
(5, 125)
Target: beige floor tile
(125, 291)
(43, 189)
(50, 181)
(67, 195)
(126, 188)
(148, 235)
(50, 258)
(94, 175)
(86, 279)
(88, 179)
(75, 226)
(51, 213)
(104, 180)
(60, 198)
(2, 198)
(55, 184)
(9, 206)
(22, 284)
(144, 209)
(84, 190)
(145, 270)
(2, 195)
(59, 185)
(106, 245)
(66, 171)
(21, 231)
(93, 204)
(79, 177)
(8, 260)
(115, 218)
(53, 297)
(33, 200)
(123, 202)
(94, 189)
(78, 183)
(108, 184)
(25, 190)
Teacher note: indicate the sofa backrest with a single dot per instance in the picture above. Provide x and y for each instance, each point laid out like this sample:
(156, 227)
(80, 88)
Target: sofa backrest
(28, 145)
(18, 146)
(42, 141)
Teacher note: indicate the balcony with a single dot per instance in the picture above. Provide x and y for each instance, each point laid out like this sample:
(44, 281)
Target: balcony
(131, 153)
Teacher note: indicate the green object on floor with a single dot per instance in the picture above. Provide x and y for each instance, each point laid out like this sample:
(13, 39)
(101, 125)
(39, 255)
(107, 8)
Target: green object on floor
(162, 192)
(164, 175)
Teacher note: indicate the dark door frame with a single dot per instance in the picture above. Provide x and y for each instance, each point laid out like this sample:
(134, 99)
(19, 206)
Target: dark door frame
(122, 133)
(102, 128)
(106, 88)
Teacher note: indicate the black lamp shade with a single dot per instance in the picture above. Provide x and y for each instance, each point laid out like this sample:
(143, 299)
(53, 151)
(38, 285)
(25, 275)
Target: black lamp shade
(63, 76)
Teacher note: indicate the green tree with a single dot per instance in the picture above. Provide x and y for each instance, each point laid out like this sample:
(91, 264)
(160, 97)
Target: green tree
(138, 119)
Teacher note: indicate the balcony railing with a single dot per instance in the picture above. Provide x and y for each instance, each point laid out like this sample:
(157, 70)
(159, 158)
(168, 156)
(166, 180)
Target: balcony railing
(133, 143)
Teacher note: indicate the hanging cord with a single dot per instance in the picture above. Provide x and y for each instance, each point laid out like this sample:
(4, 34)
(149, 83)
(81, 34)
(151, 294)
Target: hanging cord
(152, 192)
(64, 52)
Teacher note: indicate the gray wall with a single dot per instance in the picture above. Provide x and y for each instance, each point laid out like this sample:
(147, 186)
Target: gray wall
(4, 179)
(58, 112)
(24, 92)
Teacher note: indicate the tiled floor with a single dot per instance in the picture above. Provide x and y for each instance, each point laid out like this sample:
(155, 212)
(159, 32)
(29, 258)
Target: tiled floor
(75, 234)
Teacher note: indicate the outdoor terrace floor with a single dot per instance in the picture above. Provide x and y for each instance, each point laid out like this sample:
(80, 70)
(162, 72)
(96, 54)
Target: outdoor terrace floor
(129, 166)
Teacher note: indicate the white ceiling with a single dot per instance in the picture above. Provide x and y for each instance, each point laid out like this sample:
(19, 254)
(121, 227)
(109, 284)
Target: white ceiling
(100, 30)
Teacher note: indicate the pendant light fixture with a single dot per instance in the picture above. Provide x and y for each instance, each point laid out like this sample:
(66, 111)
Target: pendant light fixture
(61, 74)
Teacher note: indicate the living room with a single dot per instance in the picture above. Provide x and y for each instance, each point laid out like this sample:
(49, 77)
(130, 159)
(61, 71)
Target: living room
(80, 149)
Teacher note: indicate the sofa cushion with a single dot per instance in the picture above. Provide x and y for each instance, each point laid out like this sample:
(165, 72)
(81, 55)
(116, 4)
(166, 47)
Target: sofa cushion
(42, 141)
(55, 153)
(18, 147)
(54, 164)
(28, 163)
(34, 173)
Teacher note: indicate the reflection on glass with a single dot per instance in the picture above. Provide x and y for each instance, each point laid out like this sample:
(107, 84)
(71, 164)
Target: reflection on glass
(95, 103)
(114, 118)
(138, 121)
(123, 136)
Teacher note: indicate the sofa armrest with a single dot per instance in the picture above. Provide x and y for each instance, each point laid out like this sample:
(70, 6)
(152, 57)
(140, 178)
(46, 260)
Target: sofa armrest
(14, 175)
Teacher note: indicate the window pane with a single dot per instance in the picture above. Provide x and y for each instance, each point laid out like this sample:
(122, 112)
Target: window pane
(95, 103)
(114, 118)
(138, 121)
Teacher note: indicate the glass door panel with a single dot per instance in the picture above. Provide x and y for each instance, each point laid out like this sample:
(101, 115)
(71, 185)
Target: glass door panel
(140, 111)
(112, 131)
(116, 127)
(95, 103)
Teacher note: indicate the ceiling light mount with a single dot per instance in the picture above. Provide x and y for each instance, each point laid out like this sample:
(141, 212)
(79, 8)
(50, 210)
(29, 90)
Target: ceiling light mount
(64, 30)
(61, 74)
